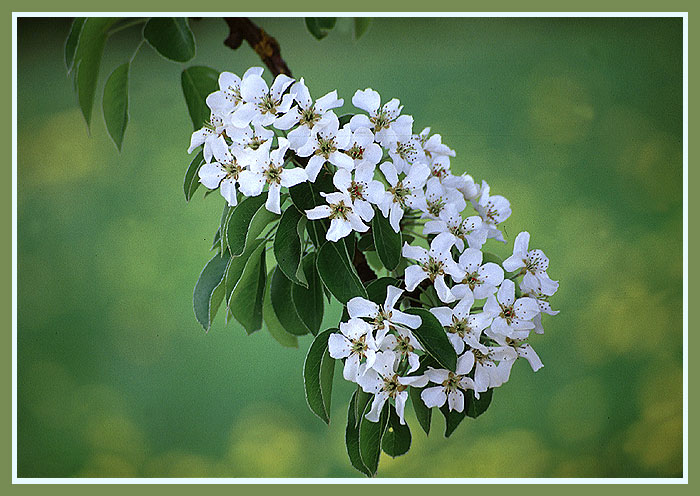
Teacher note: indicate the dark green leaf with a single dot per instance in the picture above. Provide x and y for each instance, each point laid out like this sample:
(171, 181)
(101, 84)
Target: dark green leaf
(287, 245)
(281, 298)
(352, 435)
(432, 337)
(376, 289)
(237, 228)
(386, 241)
(366, 242)
(86, 62)
(423, 413)
(371, 434)
(318, 376)
(362, 400)
(337, 273)
(209, 289)
(319, 26)
(197, 83)
(344, 119)
(171, 37)
(452, 419)
(115, 104)
(246, 302)
(361, 25)
(272, 323)
(237, 265)
(474, 407)
(192, 175)
(72, 41)
(397, 438)
(308, 301)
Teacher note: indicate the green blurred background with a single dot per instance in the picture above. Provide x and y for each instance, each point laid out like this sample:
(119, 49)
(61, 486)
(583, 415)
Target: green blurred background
(578, 122)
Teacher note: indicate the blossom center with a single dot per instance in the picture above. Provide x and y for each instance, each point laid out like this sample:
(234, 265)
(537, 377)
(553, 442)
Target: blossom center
(273, 174)
(433, 268)
(400, 193)
(459, 327)
(326, 147)
(392, 385)
(268, 105)
(340, 210)
(472, 280)
(355, 190)
(309, 117)
(356, 152)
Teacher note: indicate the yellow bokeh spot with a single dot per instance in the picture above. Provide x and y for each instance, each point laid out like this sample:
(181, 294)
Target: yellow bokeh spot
(560, 110)
(58, 151)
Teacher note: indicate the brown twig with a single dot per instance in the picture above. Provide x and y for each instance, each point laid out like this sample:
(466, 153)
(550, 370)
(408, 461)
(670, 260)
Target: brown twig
(267, 48)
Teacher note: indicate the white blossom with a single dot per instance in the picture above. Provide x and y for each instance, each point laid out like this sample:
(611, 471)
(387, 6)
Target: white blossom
(211, 136)
(382, 121)
(362, 189)
(402, 193)
(327, 145)
(479, 280)
(433, 264)
(384, 383)
(386, 317)
(463, 328)
(512, 318)
(354, 343)
(271, 171)
(340, 211)
(223, 173)
(534, 264)
(450, 386)
(229, 98)
(261, 105)
(493, 210)
(469, 229)
(535, 291)
(307, 115)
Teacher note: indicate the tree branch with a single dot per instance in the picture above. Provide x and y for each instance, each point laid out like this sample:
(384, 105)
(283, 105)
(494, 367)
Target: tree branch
(267, 48)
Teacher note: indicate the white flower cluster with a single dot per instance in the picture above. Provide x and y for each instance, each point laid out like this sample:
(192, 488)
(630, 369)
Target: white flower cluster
(486, 323)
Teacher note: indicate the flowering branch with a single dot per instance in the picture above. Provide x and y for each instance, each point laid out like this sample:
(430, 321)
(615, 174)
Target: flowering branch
(267, 48)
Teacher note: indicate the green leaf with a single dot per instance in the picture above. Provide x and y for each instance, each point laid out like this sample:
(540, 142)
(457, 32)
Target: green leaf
(352, 434)
(386, 241)
(423, 413)
(246, 301)
(319, 26)
(115, 104)
(475, 407)
(432, 337)
(361, 25)
(363, 399)
(272, 323)
(197, 83)
(171, 37)
(344, 119)
(287, 245)
(209, 289)
(452, 419)
(490, 257)
(308, 301)
(192, 176)
(318, 376)
(371, 434)
(337, 273)
(281, 299)
(237, 265)
(238, 226)
(366, 242)
(72, 41)
(86, 62)
(376, 289)
(222, 226)
(397, 438)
